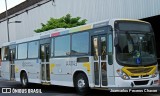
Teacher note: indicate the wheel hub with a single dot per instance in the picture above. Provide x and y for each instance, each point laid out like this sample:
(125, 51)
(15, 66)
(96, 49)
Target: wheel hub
(24, 80)
(81, 83)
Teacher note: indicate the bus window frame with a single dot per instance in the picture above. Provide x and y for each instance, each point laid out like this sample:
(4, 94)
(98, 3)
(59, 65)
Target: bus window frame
(13, 46)
(86, 31)
(70, 55)
(107, 32)
(116, 25)
(117, 32)
(2, 59)
(52, 47)
(41, 42)
(18, 51)
(55, 43)
(90, 31)
(37, 50)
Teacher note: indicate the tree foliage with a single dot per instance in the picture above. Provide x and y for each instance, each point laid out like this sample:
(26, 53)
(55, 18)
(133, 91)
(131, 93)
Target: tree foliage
(63, 22)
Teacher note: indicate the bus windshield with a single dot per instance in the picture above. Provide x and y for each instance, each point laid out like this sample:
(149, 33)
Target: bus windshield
(136, 47)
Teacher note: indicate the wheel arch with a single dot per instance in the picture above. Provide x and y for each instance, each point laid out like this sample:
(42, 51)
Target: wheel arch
(23, 71)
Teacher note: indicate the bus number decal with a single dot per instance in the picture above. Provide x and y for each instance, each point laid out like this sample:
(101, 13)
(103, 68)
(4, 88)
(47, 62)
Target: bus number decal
(71, 63)
(27, 64)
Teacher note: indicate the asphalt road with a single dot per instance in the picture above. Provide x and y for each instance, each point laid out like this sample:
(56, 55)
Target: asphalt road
(62, 91)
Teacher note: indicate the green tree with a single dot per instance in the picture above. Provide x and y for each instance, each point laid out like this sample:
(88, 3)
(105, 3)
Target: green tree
(63, 22)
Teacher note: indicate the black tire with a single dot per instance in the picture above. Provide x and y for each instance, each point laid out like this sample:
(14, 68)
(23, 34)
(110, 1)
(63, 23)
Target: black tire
(24, 79)
(81, 84)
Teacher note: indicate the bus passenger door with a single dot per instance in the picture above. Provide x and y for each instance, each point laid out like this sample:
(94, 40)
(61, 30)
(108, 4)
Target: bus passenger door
(12, 54)
(45, 67)
(99, 52)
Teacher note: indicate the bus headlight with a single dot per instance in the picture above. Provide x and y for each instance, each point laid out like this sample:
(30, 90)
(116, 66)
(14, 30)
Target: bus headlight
(155, 74)
(123, 75)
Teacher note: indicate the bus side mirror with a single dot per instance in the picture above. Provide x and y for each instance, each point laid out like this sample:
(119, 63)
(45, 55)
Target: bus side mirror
(115, 41)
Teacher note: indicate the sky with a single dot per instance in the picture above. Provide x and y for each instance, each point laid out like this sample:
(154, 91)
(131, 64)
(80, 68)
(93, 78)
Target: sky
(10, 4)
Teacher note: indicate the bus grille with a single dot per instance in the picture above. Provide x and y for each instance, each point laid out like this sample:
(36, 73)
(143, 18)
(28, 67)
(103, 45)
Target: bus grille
(141, 82)
(140, 70)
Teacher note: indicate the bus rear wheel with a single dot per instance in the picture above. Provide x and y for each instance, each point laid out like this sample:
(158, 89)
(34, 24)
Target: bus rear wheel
(24, 79)
(81, 84)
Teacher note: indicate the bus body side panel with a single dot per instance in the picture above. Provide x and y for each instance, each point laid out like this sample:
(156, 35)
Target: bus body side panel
(63, 69)
(60, 70)
(5, 70)
(91, 75)
(31, 67)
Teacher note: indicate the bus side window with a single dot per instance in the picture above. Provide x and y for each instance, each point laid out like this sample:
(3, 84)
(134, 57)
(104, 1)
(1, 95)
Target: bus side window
(110, 49)
(5, 54)
(52, 47)
(33, 48)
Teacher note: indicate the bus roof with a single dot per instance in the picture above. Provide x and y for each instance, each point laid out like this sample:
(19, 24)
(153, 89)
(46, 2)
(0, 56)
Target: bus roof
(62, 31)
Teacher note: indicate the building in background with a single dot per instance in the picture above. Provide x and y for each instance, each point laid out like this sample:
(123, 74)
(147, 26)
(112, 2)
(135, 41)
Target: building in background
(34, 12)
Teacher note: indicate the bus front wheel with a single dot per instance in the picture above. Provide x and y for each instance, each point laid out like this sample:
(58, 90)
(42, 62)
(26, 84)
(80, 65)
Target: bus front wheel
(81, 84)
(24, 79)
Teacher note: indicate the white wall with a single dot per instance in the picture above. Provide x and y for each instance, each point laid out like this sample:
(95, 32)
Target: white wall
(92, 10)
(3, 33)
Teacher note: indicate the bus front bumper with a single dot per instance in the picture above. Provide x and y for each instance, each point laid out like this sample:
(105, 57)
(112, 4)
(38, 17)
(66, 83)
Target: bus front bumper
(148, 82)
